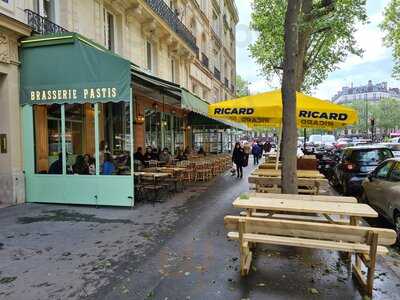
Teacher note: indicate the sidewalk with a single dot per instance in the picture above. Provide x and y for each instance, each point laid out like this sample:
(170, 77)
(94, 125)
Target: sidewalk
(173, 250)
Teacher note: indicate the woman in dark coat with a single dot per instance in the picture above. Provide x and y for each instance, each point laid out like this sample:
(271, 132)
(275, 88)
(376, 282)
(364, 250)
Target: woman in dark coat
(238, 157)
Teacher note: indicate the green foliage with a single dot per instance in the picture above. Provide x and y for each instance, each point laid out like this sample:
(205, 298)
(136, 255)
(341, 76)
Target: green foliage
(391, 26)
(329, 31)
(242, 87)
(386, 113)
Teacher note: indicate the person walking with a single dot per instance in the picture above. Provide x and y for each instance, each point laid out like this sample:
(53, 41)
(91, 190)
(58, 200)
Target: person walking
(247, 150)
(256, 153)
(238, 157)
(267, 147)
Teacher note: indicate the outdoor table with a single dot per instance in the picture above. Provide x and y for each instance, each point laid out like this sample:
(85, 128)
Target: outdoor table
(270, 166)
(278, 173)
(353, 210)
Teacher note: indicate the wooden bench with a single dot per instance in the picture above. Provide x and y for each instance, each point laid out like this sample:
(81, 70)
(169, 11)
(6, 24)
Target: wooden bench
(308, 186)
(365, 242)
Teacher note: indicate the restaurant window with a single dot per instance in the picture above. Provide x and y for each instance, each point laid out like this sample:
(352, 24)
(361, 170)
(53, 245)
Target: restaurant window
(179, 133)
(152, 128)
(114, 138)
(48, 143)
(109, 30)
(80, 139)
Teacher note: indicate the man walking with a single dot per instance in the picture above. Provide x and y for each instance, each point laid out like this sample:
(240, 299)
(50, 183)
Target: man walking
(256, 150)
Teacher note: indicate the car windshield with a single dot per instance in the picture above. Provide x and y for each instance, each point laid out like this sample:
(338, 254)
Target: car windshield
(315, 138)
(328, 138)
(371, 156)
(394, 147)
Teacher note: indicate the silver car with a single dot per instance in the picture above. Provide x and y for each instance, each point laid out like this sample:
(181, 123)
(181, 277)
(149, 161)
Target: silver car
(381, 190)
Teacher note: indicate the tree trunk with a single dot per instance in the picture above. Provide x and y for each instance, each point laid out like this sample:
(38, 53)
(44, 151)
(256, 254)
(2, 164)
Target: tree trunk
(303, 42)
(289, 133)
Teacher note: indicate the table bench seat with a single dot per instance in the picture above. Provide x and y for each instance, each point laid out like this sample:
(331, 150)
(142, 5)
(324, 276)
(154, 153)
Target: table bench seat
(307, 243)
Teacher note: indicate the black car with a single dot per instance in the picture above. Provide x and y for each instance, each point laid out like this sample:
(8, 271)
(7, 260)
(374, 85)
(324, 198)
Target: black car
(355, 164)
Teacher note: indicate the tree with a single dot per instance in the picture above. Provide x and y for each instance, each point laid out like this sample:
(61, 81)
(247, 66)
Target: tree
(289, 126)
(305, 39)
(326, 37)
(242, 87)
(391, 26)
(387, 114)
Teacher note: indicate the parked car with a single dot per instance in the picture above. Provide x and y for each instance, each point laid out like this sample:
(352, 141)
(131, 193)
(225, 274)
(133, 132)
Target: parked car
(395, 147)
(355, 165)
(317, 142)
(343, 142)
(395, 140)
(381, 189)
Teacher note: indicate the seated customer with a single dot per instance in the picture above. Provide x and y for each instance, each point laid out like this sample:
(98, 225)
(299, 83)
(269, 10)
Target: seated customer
(80, 167)
(57, 166)
(181, 155)
(108, 167)
(201, 151)
(139, 155)
(165, 157)
(155, 154)
(148, 155)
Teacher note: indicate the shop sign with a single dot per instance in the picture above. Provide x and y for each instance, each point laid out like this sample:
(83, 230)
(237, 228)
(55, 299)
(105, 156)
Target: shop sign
(71, 95)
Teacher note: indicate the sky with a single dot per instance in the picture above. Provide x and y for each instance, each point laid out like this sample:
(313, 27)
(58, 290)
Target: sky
(376, 63)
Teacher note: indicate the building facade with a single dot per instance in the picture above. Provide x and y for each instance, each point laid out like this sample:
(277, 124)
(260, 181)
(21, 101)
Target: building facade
(186, 44)
(370, 92)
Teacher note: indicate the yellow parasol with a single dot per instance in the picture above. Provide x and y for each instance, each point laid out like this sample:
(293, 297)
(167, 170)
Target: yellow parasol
(265, 110)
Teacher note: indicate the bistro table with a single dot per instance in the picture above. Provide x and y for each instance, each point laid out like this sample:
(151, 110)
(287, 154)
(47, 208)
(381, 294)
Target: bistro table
(294, 206)
(278, 173)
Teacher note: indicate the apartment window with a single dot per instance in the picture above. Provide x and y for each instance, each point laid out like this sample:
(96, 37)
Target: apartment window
(150, 56)
(215, 22)
(174, 71)
(47, 8)
(109, 30)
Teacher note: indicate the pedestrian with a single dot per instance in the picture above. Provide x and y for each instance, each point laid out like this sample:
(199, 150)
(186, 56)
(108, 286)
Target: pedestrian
(267, 147)
(247, 150)
(238, 157)
(256, 150)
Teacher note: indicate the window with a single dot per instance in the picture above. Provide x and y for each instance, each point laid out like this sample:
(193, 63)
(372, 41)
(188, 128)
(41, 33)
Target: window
(364, 157)
(48, 9)
(383, 170)
(174, 71)
(395, 174)
(80, 139)
(109, 30)
(150, 56)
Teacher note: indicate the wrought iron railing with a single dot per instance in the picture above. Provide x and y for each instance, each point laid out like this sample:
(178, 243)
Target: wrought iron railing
(226, 83)
(217, 74)
(42, 25)
(204, 60)
(170, 17)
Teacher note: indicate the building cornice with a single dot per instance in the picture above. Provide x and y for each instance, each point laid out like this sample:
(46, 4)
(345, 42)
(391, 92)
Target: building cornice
(234, 11)
(15, 26)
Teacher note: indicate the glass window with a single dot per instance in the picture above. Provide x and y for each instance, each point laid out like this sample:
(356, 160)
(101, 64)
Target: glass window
(372, 156)
(48, 142)
(383, 170)
(179, 133)
(149, 56)
(395, 174)
(153, 128)
(109, 30)
(114, 138)
(80, 139)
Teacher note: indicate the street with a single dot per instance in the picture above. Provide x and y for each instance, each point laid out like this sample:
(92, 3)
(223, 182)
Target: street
(173, 250)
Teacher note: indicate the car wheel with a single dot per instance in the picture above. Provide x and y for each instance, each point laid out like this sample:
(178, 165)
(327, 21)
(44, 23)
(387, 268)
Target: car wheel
(397, 226)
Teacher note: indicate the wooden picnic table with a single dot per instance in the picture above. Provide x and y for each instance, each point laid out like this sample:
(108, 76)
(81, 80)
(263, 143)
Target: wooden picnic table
(353, 210)
(278, 173)
(306, 197)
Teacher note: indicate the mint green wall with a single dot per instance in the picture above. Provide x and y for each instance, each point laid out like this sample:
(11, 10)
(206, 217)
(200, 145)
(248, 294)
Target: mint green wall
(70, 189)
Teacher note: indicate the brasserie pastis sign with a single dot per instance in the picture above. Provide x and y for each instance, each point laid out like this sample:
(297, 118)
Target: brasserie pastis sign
(84, 94)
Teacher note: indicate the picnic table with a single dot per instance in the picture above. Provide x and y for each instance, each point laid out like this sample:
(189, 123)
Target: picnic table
(278, 173)
(365, 242)
(289, 204)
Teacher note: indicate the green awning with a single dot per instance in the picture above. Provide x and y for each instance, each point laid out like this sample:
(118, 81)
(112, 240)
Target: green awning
(193, 103)
(69, 68)
(200, 116)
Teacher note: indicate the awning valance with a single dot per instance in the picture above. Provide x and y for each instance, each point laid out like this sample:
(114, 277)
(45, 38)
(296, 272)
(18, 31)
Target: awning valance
(193, 103)
(68, 68)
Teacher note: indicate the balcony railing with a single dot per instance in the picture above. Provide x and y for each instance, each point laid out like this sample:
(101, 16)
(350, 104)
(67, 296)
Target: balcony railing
(41, 25)
(204, 60)
(170, 17)
(217, 74)
(226, 83)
